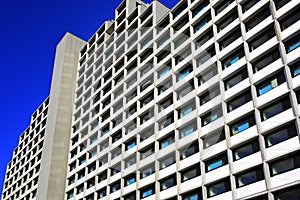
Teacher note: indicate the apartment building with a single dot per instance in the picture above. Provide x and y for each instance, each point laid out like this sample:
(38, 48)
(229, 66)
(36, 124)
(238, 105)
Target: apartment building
(38, 166)
(200, 101)
(22, 171)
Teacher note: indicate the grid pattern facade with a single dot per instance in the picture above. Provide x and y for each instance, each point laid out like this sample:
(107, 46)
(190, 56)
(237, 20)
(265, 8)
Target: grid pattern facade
(197, 102)
(21, 180)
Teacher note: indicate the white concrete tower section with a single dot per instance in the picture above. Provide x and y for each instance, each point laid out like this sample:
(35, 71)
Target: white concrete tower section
(54, 160)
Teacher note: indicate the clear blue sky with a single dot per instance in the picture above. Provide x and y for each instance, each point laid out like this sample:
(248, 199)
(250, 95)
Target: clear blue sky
(29, 32)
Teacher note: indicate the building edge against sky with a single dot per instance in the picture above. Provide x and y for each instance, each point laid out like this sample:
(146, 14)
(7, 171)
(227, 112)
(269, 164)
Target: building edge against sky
(58, 128)
(38, 166)
(216, 122)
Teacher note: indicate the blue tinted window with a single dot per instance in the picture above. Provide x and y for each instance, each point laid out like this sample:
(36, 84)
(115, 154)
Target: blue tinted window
(147, 193)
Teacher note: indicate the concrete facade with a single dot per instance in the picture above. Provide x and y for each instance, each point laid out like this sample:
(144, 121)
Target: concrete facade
(196, 102)
(200, 101)
(54, 130)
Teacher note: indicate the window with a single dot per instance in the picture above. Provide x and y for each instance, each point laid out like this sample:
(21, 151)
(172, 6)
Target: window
(275, 108)
(90, 197)
(80, 189)
(257, 17)
(292, 43)
(91, 183)
(206, 55)
(212, 92)
(81, 174)
(214, 138)
(163, 39)
(187, 129)
(164, 70)
(245, 150)
(147, 191)
(199, 7)
(117, 136)
(131, 81)
(163, 54)
(105, 130)
(130, 144)
(295, 68)
(239, 100)
(167, 140)
(146, 133)
(129, 180)
(280, 135)
(147, 99)
(131, 96)
(265, 59)
(222, 5)
(183, 21)
(130, 161)
(92, 167)
(233, 57)
(182, 55)
(146, 68)
(82, 160)
(132, 109)
(292, 17)
(177, 11)
(146, 116)
(104, 145)
(164, 23)
(186, 109)
(146, 54)
(216, 162)
(102, 176)
(246, 5)
(208, 74)
(130, 55)
(226, 20)
(116, 152)
(130, 196)
(164, 86)
(167, 161)
(189, 151)
(166, 122)
(218, 187)
(147, 171)
(168, 182)
(184, 72)
(190, 173)
(147, 152)
(211, 116)
(235, 78)
(270, 83)
(204, 37)
(101, 193)
(202, 22)
(71, 180)
(248, 177)
(115, 169)
(230, 38)
(193, 195)
(280, 3)
(298, 95)
(289, 193)
(285, 164)
(242, 124)
(262, 37)
(115, 186)
(186, 89)
(146, 14)
(70, 194)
